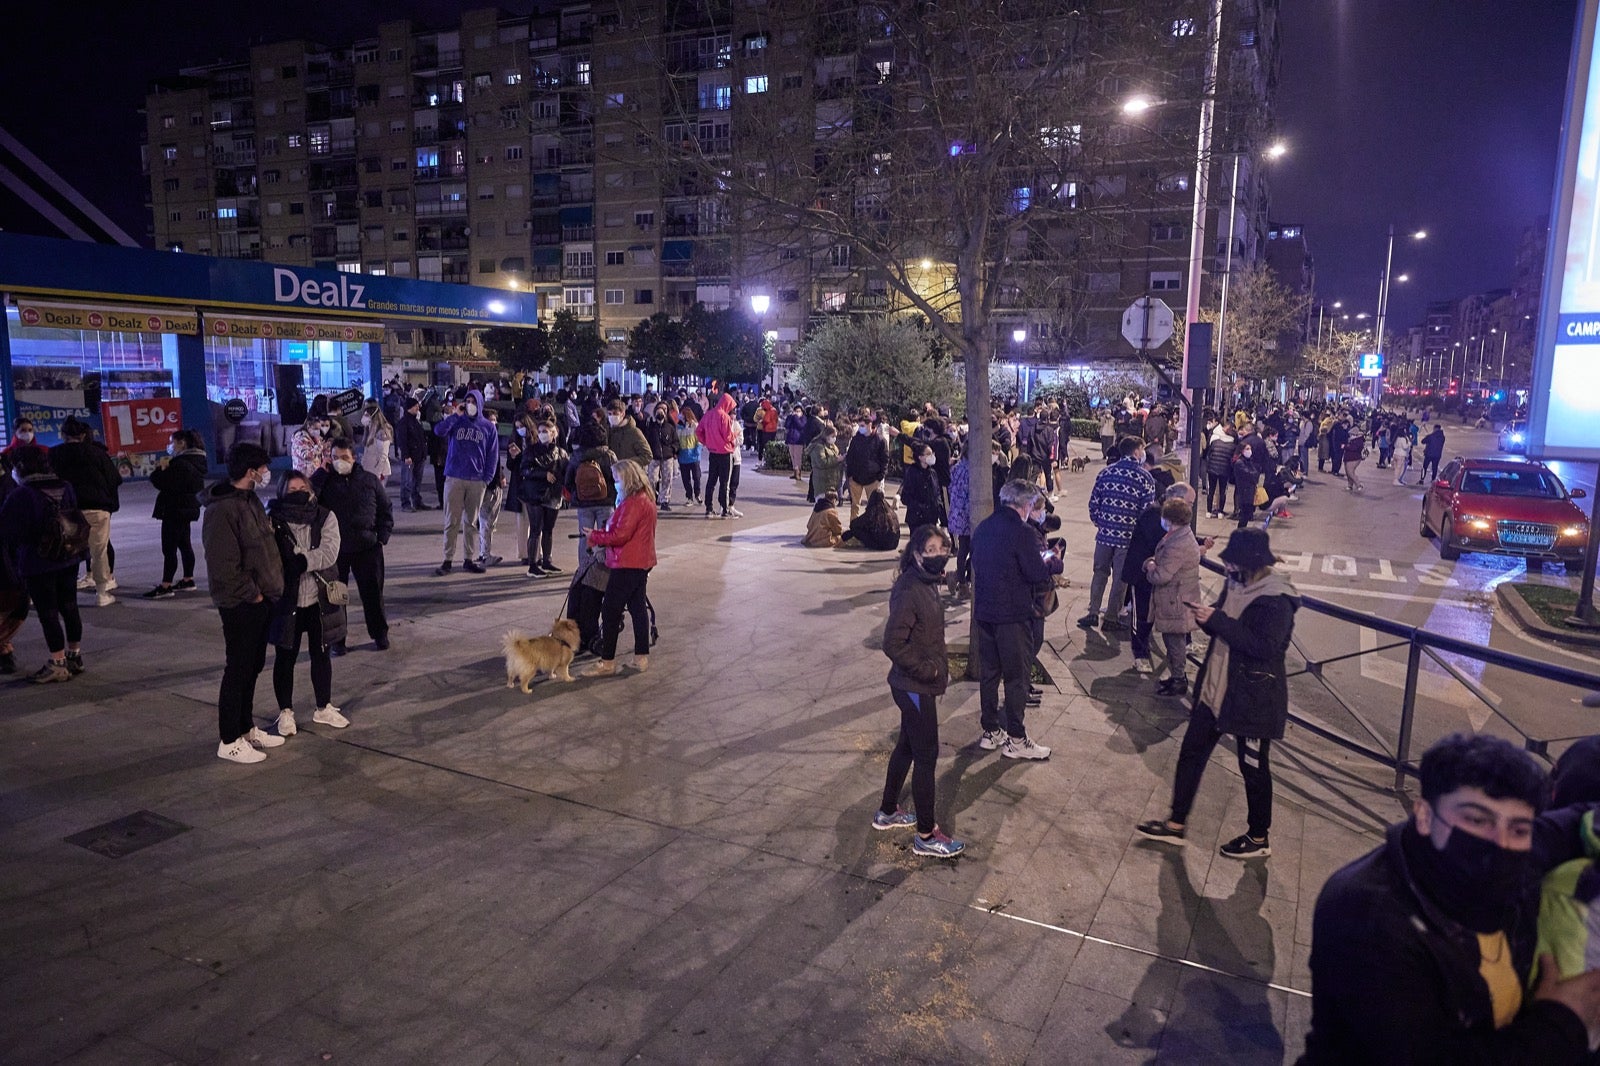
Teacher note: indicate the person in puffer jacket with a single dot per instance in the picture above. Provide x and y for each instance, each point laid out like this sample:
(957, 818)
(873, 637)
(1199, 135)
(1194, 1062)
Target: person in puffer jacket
(471, 461)
(629, 539)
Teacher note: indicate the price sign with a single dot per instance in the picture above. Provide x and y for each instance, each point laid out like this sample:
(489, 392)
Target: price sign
(133, 426)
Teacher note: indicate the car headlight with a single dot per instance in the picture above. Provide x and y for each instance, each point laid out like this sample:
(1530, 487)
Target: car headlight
(1580, 529)
(1475, 521)
(1516, 438)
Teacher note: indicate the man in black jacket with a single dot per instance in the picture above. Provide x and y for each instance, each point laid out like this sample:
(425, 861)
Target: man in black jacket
(1432, 453)
(86, 465)
(366, 519)
(1420, 949)
(866, 460)
(411, 440)
(1007, 567)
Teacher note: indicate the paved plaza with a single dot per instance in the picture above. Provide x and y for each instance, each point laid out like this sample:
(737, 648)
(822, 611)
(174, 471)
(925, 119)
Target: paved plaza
(673, 867)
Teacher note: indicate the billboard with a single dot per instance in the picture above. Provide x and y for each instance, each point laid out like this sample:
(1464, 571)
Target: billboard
(1371, 365)
(1564, 402)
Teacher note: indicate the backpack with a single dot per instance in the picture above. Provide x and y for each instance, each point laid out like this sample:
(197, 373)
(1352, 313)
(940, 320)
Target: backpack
(590, 481)
(65, 537)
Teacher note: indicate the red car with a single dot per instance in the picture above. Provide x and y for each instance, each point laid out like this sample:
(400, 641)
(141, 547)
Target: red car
(1504, 506)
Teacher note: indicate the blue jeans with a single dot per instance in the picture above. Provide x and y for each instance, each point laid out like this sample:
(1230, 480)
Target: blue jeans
(411, 486)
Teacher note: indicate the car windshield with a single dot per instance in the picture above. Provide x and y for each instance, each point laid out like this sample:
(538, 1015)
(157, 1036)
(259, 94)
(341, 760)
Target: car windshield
(1529, 482)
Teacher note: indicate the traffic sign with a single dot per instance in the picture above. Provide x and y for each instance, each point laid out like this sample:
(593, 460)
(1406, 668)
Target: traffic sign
(1147, 323)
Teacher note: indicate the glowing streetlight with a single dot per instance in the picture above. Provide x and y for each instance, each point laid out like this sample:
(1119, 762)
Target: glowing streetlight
(1137, 105)
(760, 303)
(1277, 150)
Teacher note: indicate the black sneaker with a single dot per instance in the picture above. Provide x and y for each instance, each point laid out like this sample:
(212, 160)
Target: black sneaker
(381, 643)
(74, 663)
(1172, 686)
(186, 585)
(1244, 847)
(1111, 625)
(8, 662)
(536, 570)
(337, 650)
(161, 592)
(444, 568)
(1158, 829)
(1088, 621)
(551, 568)
(472, 567)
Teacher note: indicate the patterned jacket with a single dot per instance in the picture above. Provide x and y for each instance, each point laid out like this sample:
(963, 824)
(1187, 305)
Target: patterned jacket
(1121, 493)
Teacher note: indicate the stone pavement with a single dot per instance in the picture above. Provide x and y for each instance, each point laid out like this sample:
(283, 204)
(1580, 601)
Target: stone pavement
(673, 867)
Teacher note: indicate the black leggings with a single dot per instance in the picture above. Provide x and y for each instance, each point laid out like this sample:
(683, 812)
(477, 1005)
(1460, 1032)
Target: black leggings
(175, 544)
(691, 478)
(307, 621)
(917, 751)
(733, 484)
(1254, 754)
(55, 598)
(1217, 492)
(964, 557)
(625, 590)
(541, 531)
(717, 479)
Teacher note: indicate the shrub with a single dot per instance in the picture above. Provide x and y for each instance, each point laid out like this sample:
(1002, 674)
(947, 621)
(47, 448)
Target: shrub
(777, 457)
(1086, 429)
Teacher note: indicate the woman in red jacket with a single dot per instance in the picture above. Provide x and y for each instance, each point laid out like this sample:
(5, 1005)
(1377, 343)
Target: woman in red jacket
(629, 539)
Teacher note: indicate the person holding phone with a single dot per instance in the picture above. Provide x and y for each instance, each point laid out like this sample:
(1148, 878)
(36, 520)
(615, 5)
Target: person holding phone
(1173, 572)
(1242, 689)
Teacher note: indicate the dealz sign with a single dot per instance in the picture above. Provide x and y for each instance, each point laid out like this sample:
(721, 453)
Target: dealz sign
(288, 288)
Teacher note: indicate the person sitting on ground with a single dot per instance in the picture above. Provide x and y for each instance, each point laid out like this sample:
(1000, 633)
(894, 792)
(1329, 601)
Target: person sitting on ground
(877, 528)
(823, 529)
(1419, 947)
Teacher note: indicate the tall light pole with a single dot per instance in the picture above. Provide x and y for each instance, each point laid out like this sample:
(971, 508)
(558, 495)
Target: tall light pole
(1275, 152)
(1383, 296)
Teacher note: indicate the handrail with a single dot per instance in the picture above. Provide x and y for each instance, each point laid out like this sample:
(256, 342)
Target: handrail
(1419, 641)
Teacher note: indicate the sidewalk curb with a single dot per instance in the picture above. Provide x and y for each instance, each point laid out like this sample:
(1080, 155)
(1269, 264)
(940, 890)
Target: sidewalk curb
(1529, 620)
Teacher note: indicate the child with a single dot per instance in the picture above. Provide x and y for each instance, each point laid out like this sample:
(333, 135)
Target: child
(689, 456)
(824, 530)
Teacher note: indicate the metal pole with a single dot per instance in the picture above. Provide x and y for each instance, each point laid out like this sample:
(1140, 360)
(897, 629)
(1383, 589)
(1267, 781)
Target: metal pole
(1227, 273)
(1197, 233)
(1408, 712)
(1503, 339)
(1383, 312)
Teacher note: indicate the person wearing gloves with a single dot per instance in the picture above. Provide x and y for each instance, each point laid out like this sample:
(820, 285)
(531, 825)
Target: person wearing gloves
(472, 459)
(308, 543)
(1242, 689)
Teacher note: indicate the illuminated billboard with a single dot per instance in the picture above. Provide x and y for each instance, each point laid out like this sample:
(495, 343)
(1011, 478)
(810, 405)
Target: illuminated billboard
(1371, 365)
(1564, 403)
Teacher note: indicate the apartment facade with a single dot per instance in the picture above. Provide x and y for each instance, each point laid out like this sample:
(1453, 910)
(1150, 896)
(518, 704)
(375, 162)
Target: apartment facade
(537, 153)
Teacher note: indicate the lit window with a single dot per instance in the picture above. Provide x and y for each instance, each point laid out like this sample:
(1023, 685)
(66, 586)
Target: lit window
(513, 77)
(168, 121)
(755, 83)
(578, 297)
(321, 142)
(169, 152)
(616, 99)
(581, 76)
(833, 301)
(1173, 183)
(227, 212)
(295, 140)
(1021, 198)
(1183, 27)
(348, 267)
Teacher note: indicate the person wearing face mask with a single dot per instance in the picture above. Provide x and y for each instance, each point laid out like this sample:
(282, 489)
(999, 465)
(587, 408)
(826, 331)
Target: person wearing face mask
(866, 461)
(494, 496)
(366, 521)
(629, 540)
(716, 432)
(541, 466)
(85, 464)
(689, 455)
(30, 508)
(1247, 470)
(1173, 572)
(472, 462)
(919, 672)
(178, 480)
(1242, 689)
(411, 441)
(309, 544)
(919, 490)
(1421, 949)
(826, 463)
(378, 438)
(1120, 494)
(663, 437)
(23, 440)
(308, 445)
(624, 437)
(245, 572)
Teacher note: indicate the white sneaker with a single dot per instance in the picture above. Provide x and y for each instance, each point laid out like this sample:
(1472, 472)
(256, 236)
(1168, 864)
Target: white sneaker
(1023, 748)
(1142, 666)
(104, 599)
(262, 739)
(239, 751)
(329, 715)
(85, 583)
(992, 739)
(1054, 496)
(286, 726)
(734, 512)
(111, 584)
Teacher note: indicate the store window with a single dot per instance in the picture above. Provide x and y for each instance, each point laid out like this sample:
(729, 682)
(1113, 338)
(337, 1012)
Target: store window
(264, 374)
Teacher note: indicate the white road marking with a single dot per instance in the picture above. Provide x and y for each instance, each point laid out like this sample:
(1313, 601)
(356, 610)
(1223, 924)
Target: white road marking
(1440, 687)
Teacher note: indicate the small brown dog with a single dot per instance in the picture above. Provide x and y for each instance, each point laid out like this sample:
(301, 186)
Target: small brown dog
(1079, 463)
(526, 656)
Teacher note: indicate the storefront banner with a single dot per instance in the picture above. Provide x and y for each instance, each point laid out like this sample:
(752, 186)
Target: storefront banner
(47, 417)
(133, 426)
(348, 402)
(292, 329)
(106, 317)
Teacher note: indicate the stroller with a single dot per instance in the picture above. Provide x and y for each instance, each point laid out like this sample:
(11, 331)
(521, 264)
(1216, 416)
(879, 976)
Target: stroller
(584, 597)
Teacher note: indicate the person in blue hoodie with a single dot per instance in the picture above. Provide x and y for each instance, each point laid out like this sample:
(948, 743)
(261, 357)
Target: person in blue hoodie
(472, 457)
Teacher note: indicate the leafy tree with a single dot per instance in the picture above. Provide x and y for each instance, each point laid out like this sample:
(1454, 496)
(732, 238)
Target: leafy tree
(874, 361)
(517, 348)
(727, 344)
(1326, 362)
(659, 345)
(1262, 316)
(576, 349)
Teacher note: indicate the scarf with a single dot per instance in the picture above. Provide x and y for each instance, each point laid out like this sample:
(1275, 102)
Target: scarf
(1235, 599)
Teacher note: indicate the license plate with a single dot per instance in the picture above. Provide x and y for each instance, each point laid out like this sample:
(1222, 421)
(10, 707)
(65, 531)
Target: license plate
(1526, 540)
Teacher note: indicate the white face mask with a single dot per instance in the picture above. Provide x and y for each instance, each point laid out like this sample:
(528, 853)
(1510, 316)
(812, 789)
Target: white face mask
(343, 466)
(1246, 453)
(615, 420)
(544, 438)
(926, 460)
(522, 431)
(172, 449)
(1166, 527)
(25, 436)
(263, 477)
(366, 420)
(472, 410)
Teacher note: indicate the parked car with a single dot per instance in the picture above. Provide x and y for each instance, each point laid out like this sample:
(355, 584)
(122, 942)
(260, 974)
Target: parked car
(1504, 506)
(1514, 437)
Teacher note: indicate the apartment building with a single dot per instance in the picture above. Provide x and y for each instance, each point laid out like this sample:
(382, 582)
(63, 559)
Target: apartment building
(546, 153)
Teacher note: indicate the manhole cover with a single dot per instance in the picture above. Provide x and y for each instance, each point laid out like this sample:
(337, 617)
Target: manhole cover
(126, 835)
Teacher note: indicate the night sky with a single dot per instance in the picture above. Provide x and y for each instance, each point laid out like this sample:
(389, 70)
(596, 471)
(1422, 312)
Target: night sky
(1440, 114)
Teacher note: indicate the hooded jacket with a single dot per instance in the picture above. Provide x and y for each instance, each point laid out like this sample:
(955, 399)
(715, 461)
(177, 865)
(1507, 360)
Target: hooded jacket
(23, 518)
(627, 441)
(242, 561)
(913, 637)
(178, 486)
(1255, 701)
(715, 430)
(473, 442)
(91, 472)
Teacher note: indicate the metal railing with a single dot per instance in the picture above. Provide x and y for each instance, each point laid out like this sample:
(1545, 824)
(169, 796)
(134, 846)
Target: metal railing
(1419, 643)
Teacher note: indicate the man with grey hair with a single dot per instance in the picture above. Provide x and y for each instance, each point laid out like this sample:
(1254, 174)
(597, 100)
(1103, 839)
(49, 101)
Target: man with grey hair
(1008, 564)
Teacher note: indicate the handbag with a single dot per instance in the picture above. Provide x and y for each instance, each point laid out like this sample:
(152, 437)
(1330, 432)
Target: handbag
(335, 593)
(1261, 496)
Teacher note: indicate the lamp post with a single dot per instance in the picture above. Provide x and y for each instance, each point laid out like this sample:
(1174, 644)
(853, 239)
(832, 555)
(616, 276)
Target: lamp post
(1019, 337)
(1383, 295)
(1277, 151)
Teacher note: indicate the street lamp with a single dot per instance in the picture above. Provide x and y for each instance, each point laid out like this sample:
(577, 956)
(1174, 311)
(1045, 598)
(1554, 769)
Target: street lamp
(1276, 151)
(1383, 290)
(760, 303)
(1019, 337)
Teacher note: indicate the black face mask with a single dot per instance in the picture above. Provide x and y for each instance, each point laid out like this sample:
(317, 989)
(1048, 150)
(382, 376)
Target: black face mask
(1474, 881)
(299, 499)
(935, 564)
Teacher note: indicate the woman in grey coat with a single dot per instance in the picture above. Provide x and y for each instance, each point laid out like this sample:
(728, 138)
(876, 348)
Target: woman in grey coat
(1174, 575)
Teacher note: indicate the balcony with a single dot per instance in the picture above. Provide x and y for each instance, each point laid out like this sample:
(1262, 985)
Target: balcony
(544, 273)
(348, 247)
(680, 227)
(432, 208)
(583, 195)
(424, 135)
(577, 233)
(545, 238)
(578, 271)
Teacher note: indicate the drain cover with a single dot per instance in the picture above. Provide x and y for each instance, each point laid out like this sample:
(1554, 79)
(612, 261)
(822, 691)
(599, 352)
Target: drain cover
(126, 835)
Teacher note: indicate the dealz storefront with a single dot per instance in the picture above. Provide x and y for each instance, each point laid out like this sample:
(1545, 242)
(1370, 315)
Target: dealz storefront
(140, 343)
